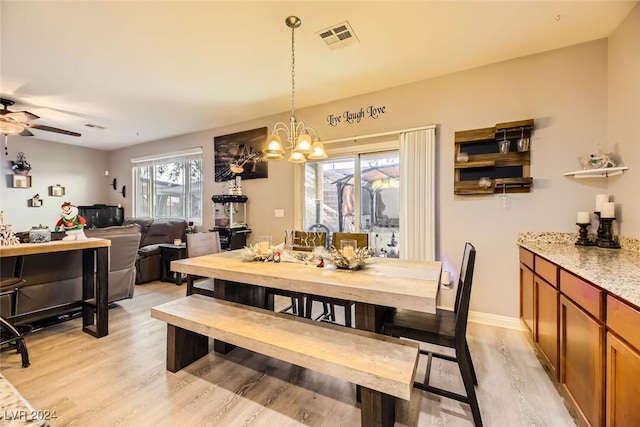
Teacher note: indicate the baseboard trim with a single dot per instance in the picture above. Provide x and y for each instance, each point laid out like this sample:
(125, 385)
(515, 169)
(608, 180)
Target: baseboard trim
(495, 320)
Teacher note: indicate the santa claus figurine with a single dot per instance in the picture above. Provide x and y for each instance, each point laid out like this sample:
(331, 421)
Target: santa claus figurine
(71, 223)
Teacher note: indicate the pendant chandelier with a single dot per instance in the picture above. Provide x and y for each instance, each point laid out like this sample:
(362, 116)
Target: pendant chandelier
(297, 133)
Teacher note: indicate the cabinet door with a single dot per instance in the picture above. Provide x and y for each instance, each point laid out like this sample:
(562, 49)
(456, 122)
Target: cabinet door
(546, 321)
(623, 387)
(526, 297)
(582, 361)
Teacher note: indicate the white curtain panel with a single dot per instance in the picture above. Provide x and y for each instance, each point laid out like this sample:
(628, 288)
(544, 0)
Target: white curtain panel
(417, 194)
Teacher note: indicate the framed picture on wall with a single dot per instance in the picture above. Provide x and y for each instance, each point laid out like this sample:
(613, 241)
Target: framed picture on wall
(240, 154)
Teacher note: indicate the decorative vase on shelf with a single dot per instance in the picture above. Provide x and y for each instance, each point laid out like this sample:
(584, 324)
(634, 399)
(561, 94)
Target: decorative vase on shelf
(20, 166)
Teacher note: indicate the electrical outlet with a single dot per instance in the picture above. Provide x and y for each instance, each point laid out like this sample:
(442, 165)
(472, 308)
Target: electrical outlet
(279, 213)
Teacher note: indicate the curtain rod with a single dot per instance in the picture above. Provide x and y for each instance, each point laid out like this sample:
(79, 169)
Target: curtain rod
(375, 135)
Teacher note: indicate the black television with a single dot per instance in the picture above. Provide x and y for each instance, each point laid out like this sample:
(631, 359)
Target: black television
(100, 216)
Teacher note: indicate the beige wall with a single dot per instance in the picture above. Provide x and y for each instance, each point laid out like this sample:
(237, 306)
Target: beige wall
(624, 123)
(79, 170)
(565, 91)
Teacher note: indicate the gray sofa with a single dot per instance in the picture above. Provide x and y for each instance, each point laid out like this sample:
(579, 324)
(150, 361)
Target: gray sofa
(55, 279)
(154, 232)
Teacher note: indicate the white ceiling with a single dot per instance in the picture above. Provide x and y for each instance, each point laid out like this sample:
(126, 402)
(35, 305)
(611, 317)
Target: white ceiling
(147, 70)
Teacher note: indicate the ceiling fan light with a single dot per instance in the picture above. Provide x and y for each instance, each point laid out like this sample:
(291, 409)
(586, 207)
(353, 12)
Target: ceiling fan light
(304, 144)
(318, 151)
(296, 157)
(8, 128)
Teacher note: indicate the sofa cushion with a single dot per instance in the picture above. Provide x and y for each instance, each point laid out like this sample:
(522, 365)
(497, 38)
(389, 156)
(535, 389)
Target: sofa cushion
(149, 250)
(164, 231)
(107, 232)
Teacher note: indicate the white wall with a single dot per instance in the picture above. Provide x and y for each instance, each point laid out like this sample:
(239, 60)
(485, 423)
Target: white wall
(624, 126)
(79, 170)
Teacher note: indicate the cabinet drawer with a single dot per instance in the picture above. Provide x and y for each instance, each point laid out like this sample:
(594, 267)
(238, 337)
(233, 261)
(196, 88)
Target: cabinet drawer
(587, 296)
(526, 257)
(623, 320)
(547, 270)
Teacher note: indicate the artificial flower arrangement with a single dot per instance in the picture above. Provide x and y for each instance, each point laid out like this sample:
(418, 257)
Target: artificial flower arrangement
(319, 255)
(20, 166)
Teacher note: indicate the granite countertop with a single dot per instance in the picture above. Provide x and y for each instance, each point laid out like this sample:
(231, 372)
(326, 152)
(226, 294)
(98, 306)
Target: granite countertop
(615, 270)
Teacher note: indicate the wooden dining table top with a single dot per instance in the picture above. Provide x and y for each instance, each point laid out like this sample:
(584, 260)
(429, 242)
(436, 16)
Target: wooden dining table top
(392, 282)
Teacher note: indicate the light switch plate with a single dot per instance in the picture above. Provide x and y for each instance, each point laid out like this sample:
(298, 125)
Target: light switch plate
(279, 213)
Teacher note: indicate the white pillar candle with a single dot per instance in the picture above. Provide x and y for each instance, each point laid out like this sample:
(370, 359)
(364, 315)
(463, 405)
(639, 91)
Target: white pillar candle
(446, 278)
(583, 218)
(600, 200)
(608, 210)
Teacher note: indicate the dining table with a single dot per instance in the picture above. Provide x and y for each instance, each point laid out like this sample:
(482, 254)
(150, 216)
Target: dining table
(380, 284)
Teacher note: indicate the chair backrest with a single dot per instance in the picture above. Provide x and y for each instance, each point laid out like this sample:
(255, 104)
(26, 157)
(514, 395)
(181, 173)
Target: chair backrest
(463, 294)
(308, 240)
(361, 238)
(202, 244)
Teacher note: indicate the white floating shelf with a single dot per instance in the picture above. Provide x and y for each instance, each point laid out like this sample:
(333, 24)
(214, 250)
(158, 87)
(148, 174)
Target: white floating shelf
(597, 173)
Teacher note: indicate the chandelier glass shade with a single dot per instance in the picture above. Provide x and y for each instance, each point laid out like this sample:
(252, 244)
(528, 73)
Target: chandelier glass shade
(298, 138)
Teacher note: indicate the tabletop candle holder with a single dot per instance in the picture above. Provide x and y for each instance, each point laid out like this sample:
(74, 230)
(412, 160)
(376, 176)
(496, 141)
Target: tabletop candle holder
(607, 240)
(583, 235)
(600, 231)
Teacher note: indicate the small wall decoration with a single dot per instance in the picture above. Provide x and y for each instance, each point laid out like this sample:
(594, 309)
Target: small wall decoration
(240, 154)
(36, 201)
(56, 190)
(21, 181)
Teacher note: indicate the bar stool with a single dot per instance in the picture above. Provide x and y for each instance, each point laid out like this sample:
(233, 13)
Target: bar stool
(12, 336)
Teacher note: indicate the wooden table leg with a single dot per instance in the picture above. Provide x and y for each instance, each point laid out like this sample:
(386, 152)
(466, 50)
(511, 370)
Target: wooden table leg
(184, 347)
(242, 293)
(378, 409)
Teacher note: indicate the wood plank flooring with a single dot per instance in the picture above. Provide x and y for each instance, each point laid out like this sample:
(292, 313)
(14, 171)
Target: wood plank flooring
(121, 380)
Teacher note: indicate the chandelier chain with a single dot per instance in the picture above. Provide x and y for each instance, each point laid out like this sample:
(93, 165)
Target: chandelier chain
(293, 71)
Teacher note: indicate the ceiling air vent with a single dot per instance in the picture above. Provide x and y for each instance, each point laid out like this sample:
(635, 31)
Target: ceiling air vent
(339, 35)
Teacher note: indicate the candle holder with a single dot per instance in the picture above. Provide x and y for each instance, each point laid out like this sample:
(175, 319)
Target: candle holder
(583, 233)
(607, 240)
(600, 231)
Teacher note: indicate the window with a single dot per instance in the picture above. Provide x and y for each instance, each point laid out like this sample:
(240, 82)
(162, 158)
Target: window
(169, 186)
(358, 192)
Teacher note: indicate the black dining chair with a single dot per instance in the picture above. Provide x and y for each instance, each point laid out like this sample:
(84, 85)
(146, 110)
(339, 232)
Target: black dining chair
(445, 328)
(329, 304)
(199, 244)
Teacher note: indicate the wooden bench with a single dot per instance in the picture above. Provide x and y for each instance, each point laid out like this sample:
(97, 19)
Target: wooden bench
(383, 366)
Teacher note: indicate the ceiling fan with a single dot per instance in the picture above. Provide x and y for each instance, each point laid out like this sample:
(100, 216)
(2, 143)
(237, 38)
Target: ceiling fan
(16, 123)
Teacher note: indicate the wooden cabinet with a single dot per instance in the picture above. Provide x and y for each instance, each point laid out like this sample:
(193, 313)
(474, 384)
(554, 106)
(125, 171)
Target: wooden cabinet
(546, 322)
(527, 300)
(623, 365)
(582, 361)
(526, 297)
(507, 171)
(588, 339)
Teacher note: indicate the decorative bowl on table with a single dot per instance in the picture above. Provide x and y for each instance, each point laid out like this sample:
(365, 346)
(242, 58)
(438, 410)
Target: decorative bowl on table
(253, 253)
(355, 262)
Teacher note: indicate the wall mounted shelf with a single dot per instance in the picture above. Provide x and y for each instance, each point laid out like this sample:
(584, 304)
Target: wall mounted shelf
(597, 173)
(508, 172)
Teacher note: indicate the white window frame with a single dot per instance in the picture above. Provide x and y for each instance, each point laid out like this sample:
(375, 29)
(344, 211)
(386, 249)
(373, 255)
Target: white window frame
(171, 157)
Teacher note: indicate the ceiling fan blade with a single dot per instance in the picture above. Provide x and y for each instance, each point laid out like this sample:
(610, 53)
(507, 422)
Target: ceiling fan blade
(25, 132)
(52, 129)
(21, 116)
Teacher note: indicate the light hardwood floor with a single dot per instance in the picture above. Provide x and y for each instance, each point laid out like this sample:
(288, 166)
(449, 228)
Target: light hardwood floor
(120, 380)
